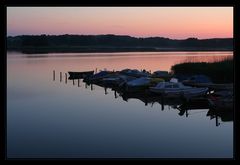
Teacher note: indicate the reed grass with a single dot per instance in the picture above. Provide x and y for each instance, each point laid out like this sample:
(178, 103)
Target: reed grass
(220, 71)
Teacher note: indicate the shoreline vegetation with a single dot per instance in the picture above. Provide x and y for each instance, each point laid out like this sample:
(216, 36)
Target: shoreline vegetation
(219, 71)
(31, 44)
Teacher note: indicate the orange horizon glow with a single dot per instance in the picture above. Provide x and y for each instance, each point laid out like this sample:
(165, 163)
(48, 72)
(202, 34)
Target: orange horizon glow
(169, 22)
(118, 61)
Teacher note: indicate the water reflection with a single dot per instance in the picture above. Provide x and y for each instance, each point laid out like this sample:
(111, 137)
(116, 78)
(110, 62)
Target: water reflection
(47, 118)
(198, 105)
(183, 107)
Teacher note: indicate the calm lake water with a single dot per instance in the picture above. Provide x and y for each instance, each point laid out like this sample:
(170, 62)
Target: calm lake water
(47, 118)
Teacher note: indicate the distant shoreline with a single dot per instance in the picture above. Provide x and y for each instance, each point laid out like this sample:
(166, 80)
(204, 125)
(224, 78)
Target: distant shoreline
(112, 43)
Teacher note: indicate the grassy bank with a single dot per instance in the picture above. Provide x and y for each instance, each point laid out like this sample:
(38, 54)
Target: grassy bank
(219, 72)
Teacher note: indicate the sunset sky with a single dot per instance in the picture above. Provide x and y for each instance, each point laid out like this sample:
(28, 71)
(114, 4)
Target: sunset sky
(170, 22)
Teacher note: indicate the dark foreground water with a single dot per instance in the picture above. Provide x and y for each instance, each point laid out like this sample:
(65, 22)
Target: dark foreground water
(53, 119)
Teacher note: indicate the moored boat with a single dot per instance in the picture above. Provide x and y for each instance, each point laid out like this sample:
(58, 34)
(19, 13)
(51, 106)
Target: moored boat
(142, 83)
(138, 84)
(177, 89)
(135, 73)
(96, 78)
(79, 75)
(205, 81)
(116, 80)
(161, 74)
(221, 100)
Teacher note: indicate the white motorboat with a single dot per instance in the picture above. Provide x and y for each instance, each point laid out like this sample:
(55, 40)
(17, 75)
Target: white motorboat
(176, 89)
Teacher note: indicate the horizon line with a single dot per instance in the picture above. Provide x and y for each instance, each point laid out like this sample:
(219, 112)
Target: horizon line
(117, 35)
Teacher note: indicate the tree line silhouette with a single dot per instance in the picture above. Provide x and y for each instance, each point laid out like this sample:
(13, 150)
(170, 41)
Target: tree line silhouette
(117, 41)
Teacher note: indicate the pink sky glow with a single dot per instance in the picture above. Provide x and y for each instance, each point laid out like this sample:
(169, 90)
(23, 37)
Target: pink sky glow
(170, 22)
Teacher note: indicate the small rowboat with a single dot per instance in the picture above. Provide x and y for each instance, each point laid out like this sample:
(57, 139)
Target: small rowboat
(80, 75)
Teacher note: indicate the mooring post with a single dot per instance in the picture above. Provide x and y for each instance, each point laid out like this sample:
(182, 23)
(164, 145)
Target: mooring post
(73, 82)
(85, 85)
(91, 87)
(60, 76)
(53, 75)
(115, 94)
(105, 90)
(78, 83)
(162, 102)
(66, 78)
(217, 123)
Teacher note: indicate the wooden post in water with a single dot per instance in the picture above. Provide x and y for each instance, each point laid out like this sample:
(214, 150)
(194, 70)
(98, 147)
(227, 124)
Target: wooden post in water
(78, 83)
(162, 102)
(60, 76)
(73, 82)
(85, 85)
(53, 75)
(115, 94)
(66, 78)
(91, 87)
(217, 123)
(105, 90)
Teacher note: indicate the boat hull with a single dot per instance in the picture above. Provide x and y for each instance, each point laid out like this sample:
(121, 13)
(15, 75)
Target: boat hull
(187, 93)
(80, 75)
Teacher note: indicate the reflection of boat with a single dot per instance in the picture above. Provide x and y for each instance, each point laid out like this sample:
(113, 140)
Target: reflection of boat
(141, 96)
(80, 75)
(193, 104)
(173, 89)
(185, 107)
(225, 115)
(150, 98)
